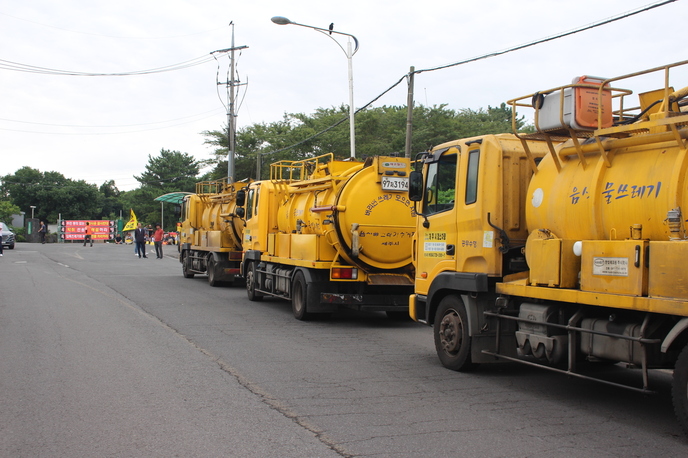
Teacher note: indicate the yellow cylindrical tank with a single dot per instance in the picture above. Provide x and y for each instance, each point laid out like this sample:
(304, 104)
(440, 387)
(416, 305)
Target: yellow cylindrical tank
(628, 196)
(219, 215)
(212, 215)
(362, 209)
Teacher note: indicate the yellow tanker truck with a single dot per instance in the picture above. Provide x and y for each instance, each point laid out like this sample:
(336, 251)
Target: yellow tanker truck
(564, 247)
(211, 231)
(328, 234)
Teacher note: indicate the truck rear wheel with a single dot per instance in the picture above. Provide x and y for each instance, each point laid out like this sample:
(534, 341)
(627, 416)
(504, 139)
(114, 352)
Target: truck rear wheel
(679, 389)
(251, 283)
(452, 342)
(186, 265)
(212, 277)
(299, 301)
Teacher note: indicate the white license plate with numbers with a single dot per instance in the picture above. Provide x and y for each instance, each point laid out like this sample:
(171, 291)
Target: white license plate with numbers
(395, 183)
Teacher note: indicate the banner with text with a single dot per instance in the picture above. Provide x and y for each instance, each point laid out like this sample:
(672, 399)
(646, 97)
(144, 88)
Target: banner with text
(76, 229)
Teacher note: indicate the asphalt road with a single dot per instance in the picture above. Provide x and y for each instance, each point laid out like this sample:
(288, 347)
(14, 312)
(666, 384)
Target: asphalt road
(105, 354)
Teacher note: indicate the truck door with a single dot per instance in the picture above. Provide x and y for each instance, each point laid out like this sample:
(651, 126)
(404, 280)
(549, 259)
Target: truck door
(437, 232)
(252, 229)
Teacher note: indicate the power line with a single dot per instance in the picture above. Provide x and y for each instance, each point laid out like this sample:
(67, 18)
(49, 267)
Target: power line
(554, 37)
(26, 68)
(110, 36)
(485, 56)
(112, 126)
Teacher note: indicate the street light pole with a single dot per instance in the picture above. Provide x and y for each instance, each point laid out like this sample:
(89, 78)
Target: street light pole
(280, 20)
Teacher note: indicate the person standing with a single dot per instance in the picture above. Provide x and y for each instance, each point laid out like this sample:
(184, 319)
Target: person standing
(157, 241)
(41, 232)
(140, 239)
(89, 235)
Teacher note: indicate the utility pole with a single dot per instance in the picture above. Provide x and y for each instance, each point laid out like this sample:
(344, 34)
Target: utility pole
(231, 83)
(409, 113)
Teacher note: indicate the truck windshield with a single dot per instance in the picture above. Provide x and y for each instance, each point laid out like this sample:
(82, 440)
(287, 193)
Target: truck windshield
(440, 185)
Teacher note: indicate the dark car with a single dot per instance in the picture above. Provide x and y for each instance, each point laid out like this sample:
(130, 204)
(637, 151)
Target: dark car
(7, 237)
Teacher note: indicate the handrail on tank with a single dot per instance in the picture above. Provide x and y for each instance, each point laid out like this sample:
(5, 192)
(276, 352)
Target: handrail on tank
(667, 87)
(211, 187)
(291, 171)
(621, 115)
(535, 103)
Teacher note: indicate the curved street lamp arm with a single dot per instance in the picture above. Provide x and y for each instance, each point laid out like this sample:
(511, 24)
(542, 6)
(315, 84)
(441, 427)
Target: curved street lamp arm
(329, 32)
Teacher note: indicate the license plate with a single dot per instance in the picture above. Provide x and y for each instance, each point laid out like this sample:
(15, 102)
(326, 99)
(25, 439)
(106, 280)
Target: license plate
(395, 184)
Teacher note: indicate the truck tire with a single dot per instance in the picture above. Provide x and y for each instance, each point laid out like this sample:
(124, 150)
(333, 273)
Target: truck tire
(186, 265)
(679, 389)
(299, 303)
(212, 276)
(452, 342)
(251, 283)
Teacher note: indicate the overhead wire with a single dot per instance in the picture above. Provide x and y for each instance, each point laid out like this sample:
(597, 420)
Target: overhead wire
(110, 36)
(111, 126)
(485, 56)
(112, 133)
(16, 66)
(19, 67)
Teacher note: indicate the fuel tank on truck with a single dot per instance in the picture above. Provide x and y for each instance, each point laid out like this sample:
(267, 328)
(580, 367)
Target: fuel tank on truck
(602, 200)
(360, 208)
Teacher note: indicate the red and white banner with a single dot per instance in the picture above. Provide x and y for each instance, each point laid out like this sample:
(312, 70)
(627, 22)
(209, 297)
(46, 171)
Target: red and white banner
(76, 229)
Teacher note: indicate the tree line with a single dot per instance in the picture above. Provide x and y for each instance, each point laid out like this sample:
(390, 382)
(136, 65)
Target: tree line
(379, 131)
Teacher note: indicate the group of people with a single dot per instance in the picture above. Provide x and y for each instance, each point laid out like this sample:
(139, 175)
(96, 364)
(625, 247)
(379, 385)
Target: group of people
(141, 235)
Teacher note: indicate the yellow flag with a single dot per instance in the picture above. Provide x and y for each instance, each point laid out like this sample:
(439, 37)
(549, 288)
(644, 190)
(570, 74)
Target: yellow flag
(131, 225)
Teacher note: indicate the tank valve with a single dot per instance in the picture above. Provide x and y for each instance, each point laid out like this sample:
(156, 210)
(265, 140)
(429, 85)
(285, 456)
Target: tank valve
(637, 231)
(673, 220)
(355, 242)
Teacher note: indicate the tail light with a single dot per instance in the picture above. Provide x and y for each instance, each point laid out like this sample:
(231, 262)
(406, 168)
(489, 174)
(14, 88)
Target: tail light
(344, 273)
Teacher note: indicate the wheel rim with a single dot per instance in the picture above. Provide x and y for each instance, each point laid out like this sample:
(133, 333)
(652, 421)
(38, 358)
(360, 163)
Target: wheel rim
(249, 281)
(451, 332)
(211, 271)
(298, 298)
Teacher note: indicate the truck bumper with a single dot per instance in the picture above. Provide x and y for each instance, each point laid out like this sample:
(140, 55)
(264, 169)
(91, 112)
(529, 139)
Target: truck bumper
(367, 302)
(418, 308)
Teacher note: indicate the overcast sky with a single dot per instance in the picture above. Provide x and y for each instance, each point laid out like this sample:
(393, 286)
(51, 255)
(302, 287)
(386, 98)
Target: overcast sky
(100, 128)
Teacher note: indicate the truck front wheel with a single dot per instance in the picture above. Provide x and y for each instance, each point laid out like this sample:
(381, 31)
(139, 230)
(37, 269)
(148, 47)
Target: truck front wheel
(679, 389)
(212, 274)
(251, 283)
(299, 297)
(452, 342)
(186, 265)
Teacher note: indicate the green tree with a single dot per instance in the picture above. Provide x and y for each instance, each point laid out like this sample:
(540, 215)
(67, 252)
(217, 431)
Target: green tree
(256, 141)
(110, 202)
(172, 171)
(7, 209)
(380, 130)
(52, 194)
(21, 187)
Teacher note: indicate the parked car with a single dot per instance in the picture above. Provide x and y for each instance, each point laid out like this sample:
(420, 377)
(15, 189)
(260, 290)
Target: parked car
(7, 237)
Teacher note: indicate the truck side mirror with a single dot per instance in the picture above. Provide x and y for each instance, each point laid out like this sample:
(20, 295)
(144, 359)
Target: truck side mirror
(241, 198)
(240, 212)
(415, 186)
(177, 211)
